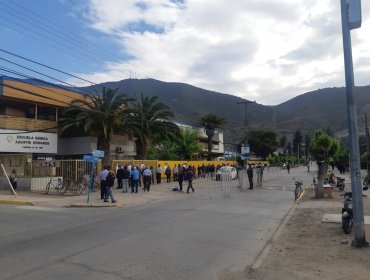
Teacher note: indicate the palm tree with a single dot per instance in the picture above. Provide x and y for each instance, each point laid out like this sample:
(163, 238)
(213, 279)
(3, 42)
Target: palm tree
(99, 115)
(187, 144)
(211, 122)
(149, 120)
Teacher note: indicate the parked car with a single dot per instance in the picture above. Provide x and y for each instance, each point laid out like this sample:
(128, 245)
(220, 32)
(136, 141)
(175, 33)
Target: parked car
(226, 170)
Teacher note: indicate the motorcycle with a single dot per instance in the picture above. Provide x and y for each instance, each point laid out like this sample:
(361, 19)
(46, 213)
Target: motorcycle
(340, 183)
(366, 181)
(347, 211)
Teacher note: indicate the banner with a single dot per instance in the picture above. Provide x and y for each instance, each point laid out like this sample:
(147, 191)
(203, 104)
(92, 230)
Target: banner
(17, 141)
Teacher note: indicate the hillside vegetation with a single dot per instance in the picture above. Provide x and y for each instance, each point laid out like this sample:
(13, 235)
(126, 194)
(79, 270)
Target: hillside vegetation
(323, 108)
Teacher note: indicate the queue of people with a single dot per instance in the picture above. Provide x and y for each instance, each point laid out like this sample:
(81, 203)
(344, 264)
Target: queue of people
(132, 178)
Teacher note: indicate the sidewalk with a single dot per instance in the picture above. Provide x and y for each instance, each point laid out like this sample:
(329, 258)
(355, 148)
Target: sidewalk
(157, 192)
(309, 248)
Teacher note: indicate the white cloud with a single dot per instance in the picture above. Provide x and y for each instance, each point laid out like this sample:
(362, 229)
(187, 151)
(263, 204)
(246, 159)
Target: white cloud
(264, 50)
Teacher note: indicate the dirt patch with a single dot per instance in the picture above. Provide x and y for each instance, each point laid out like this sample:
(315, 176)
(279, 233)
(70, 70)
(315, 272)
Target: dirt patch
(308, 248)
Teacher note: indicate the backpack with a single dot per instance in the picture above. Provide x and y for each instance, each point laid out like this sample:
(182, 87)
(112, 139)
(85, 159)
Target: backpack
(110, 179)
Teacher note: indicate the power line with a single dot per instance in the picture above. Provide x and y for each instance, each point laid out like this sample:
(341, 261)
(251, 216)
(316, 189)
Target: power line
(61, 33)
(50, 77)
(68, 47)
(50, 67)
(55, 34)
(60, 29)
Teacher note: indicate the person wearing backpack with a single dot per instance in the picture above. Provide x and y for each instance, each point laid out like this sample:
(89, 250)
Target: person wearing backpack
(167, 172)
(109, 185)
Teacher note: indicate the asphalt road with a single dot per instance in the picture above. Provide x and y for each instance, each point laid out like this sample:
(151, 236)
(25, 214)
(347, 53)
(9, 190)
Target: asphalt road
(196, 236)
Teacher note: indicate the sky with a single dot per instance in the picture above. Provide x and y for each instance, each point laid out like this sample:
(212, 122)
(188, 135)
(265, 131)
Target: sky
(264, 50)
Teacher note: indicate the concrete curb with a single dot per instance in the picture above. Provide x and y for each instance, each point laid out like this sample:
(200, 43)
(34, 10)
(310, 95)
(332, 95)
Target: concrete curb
(263, 254)
(16, 202)
(91, 206)
(266, 249)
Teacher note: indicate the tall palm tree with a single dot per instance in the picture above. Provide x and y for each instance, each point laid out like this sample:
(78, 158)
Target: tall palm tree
(99, 115)
(187, 144)
(211, 122)
(149, 119)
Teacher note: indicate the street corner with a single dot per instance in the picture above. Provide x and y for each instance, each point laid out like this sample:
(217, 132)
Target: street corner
(94, 205)
(17, 202)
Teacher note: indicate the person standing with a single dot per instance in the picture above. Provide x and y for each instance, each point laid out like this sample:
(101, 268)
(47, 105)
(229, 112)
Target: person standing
(147, 177)
(14, 179)
(135, 177)
(167, 172)
(175, 172)
(103, 177)
(152, 170)
(109, 182)
(259, 174)
(119, 177)
(158, 173)
(180, 177)
(190, 177)
(250, 176)
(125, 179)
(288, 167)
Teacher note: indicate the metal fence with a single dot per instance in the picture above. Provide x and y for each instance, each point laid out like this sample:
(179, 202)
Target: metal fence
(41, 171)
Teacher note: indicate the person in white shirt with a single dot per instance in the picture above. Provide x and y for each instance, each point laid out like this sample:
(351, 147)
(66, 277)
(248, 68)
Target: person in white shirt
(103, 187)
(158, 174)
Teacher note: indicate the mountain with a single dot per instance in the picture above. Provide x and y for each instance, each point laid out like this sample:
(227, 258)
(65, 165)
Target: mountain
(323, 108)
(188, 103)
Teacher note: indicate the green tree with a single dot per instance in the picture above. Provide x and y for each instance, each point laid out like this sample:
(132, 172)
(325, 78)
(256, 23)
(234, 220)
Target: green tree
(149, 119)
(324, 149)
(211, 122)
(262, 142)
(187, 144)
(180, 146)
(98, 114)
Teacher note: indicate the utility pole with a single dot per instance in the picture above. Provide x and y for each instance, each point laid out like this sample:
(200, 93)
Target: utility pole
(351, 18)
(245, 123)
(245, 117)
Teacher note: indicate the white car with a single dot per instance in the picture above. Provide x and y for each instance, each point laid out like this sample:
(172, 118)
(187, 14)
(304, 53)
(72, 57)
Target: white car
(226, 170)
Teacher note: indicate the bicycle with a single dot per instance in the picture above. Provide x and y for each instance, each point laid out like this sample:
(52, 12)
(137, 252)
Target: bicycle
(57, 183)
(298, 189)
(71, 187)
(85, 184)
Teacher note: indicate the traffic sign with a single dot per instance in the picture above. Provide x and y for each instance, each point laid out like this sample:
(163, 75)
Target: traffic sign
(90, 158)
(98, 153)
(354, 14)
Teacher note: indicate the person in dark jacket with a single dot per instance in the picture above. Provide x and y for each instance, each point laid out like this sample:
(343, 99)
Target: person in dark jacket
(119, 177)
(180, 177)
(125, 179)
(250, 176)
(109, 185)
(167, 172)
(190, 176)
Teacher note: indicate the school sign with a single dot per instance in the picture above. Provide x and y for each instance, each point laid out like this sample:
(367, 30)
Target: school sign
(16, 141)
